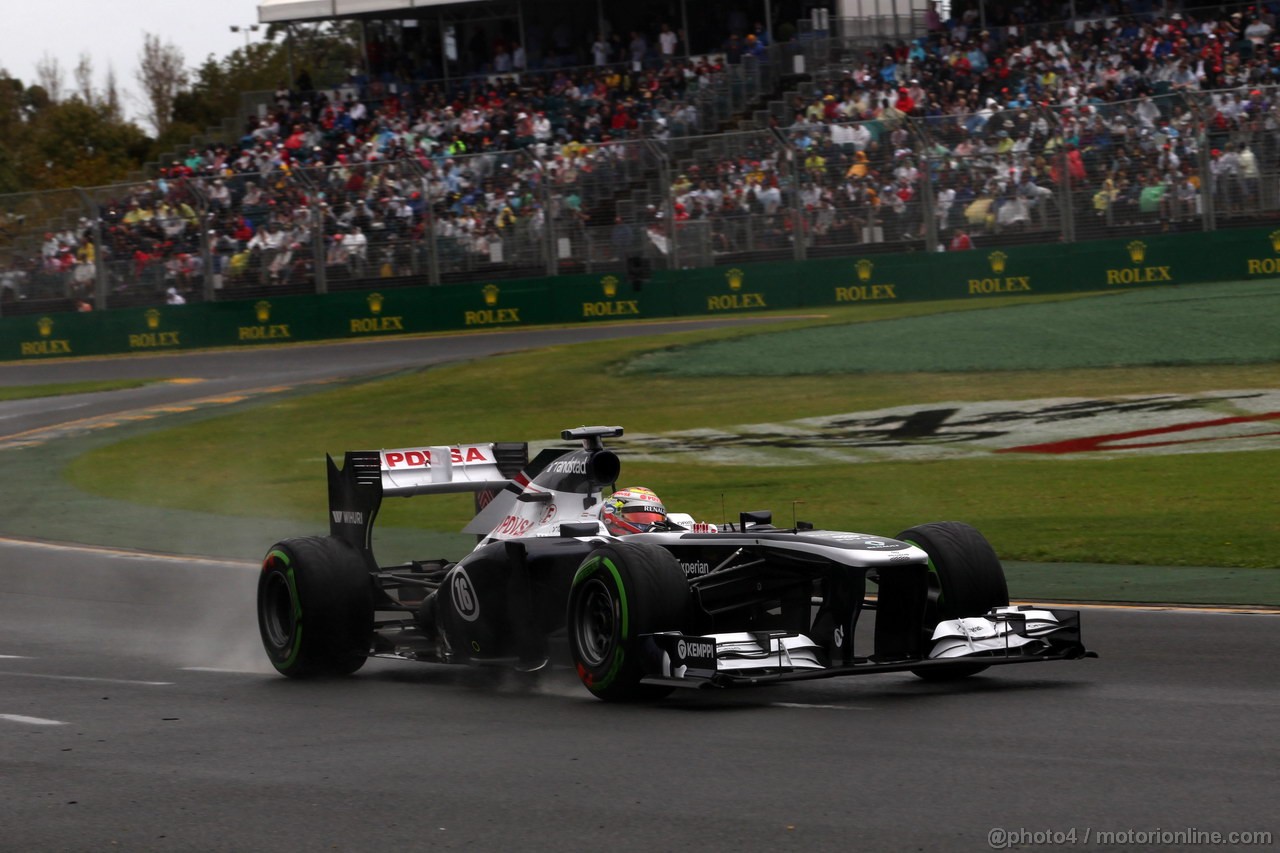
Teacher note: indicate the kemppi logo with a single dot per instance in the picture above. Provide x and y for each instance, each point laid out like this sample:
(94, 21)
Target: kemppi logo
(688, 650)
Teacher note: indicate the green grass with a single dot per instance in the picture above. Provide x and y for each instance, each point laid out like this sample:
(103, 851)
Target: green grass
(28, 392)
(1213, 509)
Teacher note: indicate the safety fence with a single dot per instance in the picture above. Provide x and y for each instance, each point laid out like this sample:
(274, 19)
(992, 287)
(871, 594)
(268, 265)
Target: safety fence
(1003, 175)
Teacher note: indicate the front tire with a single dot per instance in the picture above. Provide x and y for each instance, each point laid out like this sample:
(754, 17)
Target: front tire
(315, 607)
(965, 579)
(620, 592)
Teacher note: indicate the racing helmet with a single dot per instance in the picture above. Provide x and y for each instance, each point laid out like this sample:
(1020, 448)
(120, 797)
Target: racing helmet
(634, 509)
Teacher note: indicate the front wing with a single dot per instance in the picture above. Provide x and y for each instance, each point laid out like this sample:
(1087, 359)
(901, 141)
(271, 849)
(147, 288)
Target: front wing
(1005, 635)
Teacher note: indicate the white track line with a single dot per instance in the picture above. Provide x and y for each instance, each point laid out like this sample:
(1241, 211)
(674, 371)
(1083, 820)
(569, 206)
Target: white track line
(817, 707)
(30, 721)
(85, 678)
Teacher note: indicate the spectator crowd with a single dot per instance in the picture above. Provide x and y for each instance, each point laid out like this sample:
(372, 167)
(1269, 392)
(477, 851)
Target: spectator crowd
(984, 126)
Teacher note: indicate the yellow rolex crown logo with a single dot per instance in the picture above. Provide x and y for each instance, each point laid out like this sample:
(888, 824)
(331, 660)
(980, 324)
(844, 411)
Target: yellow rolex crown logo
(610, 286)
(263, 311)
(997, 261)
(491, 292)
(375, 303)
(1275, 240)
(45, 325)
(864, 269)
(734, 277)
(1137, 251)
(153, 318)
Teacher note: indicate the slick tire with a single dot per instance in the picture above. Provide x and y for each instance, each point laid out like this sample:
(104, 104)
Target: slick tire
(620, 592)
(315, 607)
(965, 579)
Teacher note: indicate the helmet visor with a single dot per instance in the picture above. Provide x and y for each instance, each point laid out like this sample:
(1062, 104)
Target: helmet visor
(642, 517)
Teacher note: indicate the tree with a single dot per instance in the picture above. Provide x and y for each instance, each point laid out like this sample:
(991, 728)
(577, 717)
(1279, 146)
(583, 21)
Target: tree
(49, 77)
(162, 74)
(84, 79)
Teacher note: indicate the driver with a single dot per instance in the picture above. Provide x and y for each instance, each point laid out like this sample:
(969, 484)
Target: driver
(634, 509)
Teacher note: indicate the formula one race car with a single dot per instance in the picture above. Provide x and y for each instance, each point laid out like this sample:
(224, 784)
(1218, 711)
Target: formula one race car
(679, 605)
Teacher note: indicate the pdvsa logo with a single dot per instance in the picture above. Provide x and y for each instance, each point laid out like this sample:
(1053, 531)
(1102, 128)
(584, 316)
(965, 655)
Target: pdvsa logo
(491, 315)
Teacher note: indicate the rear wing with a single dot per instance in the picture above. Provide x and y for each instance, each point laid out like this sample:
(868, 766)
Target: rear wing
(356, 490)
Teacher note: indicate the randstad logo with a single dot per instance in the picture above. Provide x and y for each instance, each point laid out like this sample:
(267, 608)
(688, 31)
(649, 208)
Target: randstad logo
(262, 331)
(491, 315)
(1140, 275)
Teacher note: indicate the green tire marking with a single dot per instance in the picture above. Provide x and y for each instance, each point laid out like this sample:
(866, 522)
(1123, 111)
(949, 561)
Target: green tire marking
(933, 570)
(296, 601)
(586, 569)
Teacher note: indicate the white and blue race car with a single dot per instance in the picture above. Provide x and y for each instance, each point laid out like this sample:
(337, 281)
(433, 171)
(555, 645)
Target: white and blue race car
(681, 605)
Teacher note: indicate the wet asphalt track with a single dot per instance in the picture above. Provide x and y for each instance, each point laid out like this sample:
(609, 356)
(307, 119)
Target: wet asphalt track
(137, 713)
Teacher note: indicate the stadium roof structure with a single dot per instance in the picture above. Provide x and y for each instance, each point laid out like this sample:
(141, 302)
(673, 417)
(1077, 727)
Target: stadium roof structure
(283, 11)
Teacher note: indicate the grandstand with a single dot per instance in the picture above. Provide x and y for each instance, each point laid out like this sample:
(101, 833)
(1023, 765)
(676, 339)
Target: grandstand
(490, 140)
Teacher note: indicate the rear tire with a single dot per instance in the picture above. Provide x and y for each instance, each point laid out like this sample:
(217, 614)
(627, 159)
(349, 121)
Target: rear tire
(966, 579)
(315, 607)
(620, 592)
